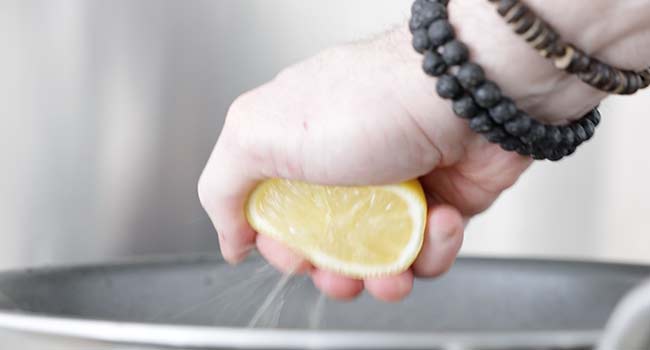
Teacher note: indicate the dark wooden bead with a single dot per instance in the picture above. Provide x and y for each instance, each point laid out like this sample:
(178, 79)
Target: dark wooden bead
(496, 135)
(510, 144)
(455, 53)
(614, 81)
(470, 75)
(589, 128)
(645, 76)
(549, 39)
(433, 64)
(579, 63)
(556, 48)
(421, 41)
(519, 126)
(622, 82)
(634, 83)
(448, 87)
(504, 111)
(534, 32)
(606, 76)
(482, 123)
(598, 73)
(487, 95)
(516, 12)
(465, 107)
(524, 23)
(440, 32)
(587, 76)
(505, 6)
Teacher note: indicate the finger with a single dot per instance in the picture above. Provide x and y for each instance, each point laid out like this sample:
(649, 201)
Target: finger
(223, 190)
(336, 286)
(442, 241)
(392, 288)
(281, 257)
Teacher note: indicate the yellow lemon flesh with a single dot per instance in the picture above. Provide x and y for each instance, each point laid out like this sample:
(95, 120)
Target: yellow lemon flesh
(360, 232)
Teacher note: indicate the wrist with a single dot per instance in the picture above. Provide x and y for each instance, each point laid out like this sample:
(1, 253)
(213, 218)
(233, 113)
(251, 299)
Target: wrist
(532, 81)
(616, 32)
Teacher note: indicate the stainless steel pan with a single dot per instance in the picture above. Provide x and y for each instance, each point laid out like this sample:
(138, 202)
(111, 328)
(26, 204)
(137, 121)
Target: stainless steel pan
(200, 302)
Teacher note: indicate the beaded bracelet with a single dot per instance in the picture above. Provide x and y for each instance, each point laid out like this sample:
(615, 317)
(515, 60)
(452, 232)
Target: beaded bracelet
(547, 41)
(480, 100)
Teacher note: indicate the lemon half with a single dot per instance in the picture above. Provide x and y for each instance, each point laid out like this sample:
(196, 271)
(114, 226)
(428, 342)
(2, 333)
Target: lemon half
(359, 232)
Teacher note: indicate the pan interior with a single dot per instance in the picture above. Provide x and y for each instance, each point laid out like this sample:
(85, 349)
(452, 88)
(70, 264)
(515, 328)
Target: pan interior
(477, 295)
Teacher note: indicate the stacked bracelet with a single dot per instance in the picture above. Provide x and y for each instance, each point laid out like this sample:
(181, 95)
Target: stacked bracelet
(480, 100)
(544, 39)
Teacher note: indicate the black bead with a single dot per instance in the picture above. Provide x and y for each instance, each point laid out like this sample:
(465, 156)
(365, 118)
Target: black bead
(448, 87)
(418, 5)
(440, 32)
(519, 126)
(536, 133)
(470, 75)
(465, 107)
(570, 151)
(554, 155)
(432, 11)
(595, 117)
(510, 144)
(552, 138)
(524, 149)
(580, 134)
(504, 111)
(433, 64)
(496, 135)
(455, 53)
(487, 95)
(568, 136)
(482, 123)
(589, 127)
(416, 23)
(538, 153)
(567, 151)
(421, 41)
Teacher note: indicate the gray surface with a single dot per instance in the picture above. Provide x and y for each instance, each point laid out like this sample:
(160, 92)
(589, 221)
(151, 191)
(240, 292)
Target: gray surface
(629, 326)
(489, 297)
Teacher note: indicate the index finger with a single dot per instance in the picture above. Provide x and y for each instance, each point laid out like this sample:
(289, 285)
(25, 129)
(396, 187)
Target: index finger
(223, 189)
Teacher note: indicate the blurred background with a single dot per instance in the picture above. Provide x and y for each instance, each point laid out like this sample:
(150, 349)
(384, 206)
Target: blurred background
(110, 110)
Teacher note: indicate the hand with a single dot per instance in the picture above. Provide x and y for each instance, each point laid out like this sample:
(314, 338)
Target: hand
(365, 114)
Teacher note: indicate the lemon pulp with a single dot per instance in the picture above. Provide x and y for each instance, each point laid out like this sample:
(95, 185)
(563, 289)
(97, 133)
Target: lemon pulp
(361, 232)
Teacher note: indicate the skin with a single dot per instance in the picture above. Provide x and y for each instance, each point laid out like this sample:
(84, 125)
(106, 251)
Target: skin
(365, 114)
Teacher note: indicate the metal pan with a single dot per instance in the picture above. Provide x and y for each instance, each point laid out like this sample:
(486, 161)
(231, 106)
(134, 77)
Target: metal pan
(200, 302)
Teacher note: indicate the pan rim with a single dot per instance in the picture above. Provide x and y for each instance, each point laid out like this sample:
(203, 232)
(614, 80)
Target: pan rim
(183, 336)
